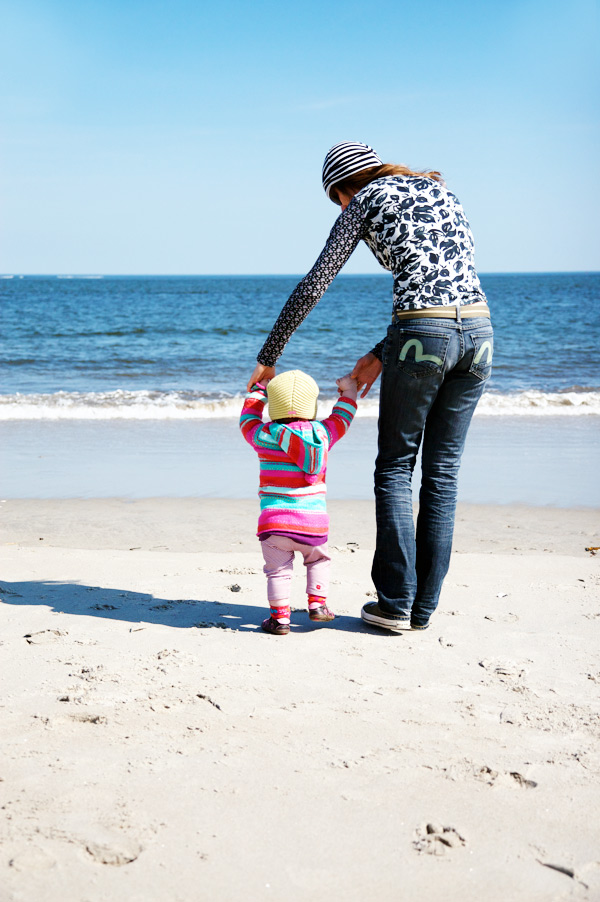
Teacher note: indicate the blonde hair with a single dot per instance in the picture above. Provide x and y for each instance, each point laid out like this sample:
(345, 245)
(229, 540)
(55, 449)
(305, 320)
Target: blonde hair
(355, 182)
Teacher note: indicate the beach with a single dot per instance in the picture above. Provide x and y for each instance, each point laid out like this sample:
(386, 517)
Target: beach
(157, 745)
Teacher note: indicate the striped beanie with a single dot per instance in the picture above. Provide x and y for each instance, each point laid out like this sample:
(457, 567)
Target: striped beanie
(292, 395)
(345, 159)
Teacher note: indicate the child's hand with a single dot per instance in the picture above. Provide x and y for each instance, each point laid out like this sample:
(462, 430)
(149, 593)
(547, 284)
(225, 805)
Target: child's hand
(347, 386)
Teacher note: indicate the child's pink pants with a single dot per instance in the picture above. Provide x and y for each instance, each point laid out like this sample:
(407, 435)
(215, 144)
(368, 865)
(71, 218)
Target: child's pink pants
(278, 552)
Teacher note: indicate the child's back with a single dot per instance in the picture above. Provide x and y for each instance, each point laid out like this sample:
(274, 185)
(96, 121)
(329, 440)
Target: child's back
(293, 452)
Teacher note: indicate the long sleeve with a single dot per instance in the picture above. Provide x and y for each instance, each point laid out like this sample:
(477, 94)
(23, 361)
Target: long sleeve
(340, 419)
(378, 349)
(346, 233)
(251, 417)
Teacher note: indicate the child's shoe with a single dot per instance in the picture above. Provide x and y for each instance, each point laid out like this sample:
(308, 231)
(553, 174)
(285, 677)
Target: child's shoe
(270, 625)
(322, 614)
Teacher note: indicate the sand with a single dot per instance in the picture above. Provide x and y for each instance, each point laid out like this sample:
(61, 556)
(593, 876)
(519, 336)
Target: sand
(156, 745)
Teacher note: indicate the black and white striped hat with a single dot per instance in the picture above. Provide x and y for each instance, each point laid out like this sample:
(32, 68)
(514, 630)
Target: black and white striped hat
(345, 159)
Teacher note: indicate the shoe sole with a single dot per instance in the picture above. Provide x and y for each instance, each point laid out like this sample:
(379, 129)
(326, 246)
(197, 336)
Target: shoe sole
(396, 626)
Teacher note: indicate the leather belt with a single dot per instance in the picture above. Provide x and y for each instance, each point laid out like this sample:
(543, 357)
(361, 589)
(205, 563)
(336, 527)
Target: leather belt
(451, 311)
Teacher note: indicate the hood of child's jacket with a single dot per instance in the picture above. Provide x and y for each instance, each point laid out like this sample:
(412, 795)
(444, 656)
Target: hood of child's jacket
(304, 443)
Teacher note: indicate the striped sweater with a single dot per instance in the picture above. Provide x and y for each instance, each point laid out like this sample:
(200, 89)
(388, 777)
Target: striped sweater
(293, 463)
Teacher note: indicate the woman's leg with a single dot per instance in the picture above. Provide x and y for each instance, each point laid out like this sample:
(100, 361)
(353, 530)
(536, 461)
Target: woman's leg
(433, 376)
(408, 389)
(443, 444)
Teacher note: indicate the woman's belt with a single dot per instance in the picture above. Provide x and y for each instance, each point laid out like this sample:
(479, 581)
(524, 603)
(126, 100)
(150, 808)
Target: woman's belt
(451, 311)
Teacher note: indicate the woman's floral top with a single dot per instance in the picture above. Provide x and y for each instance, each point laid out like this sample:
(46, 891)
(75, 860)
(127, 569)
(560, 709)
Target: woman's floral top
(416, 228)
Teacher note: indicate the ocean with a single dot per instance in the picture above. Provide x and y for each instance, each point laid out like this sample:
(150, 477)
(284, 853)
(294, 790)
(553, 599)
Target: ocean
(169, 350)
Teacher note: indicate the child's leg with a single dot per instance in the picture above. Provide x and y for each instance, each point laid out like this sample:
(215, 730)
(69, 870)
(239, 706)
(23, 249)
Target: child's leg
(316, 560)
(279, 562)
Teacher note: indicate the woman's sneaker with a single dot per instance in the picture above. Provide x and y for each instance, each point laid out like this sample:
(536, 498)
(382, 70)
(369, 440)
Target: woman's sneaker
(373, 615)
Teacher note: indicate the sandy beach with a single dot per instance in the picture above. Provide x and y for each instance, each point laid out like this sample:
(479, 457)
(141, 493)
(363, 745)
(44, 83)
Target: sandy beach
(158, 746)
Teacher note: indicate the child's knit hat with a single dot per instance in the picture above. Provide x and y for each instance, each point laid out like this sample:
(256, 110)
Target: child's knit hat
(292, 394)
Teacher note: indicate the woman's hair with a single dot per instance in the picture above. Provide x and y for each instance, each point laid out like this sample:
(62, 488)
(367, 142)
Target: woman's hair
(355, 182)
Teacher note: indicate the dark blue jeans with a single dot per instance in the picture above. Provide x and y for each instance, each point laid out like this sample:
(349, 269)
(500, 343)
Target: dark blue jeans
(434, 373)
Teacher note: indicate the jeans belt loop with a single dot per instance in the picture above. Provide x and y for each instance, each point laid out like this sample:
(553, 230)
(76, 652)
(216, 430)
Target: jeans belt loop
(458, 317)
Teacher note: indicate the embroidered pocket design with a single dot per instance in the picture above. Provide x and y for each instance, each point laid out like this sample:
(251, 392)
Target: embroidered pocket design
(419, 352)
(421, 356)
(483, 351)
(486, 348)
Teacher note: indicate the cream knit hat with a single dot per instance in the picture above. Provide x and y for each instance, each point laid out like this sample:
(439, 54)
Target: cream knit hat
(293, 394)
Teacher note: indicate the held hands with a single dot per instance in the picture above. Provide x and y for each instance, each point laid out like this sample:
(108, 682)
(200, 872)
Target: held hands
(347, 386)
(366, 371)
(262, 374)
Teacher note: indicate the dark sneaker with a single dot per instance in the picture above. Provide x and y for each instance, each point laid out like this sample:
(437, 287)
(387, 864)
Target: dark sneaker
(373, 615)
(419, 626)
(270, 625)
(321, 614)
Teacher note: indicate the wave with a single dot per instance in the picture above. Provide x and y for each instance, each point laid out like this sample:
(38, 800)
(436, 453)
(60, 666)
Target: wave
(189, 405)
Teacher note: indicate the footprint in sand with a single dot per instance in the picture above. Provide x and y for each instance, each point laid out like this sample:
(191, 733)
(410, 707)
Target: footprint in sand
(507, 778)
(44, 637)
(114, 852)
(238, 571)
(434, 839)
(503, 667)
(88, 718)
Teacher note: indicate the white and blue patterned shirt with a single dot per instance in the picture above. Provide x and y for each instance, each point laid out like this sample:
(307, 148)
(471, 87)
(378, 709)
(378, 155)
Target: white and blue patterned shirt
(416, 228)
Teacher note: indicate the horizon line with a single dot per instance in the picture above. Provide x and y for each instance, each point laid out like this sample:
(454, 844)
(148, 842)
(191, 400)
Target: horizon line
(166, 275)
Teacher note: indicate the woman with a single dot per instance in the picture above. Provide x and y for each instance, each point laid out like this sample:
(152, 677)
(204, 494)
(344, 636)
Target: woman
(435, 361)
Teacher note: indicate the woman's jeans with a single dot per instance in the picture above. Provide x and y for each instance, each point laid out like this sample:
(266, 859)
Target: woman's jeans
(434, 373)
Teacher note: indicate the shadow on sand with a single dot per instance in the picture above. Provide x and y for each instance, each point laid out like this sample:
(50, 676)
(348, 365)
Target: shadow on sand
(142, 608)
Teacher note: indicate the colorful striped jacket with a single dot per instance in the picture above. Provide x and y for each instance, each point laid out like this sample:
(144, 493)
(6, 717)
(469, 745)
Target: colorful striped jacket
(293, 464)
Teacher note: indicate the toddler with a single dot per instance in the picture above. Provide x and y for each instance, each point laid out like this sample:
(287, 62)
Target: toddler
(292, 450)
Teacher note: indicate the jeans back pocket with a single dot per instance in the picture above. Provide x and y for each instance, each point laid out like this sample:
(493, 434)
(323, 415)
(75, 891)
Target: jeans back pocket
(421, 353)
(483, 352)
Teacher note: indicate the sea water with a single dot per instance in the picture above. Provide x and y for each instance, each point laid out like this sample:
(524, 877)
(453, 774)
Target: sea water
(83, 354)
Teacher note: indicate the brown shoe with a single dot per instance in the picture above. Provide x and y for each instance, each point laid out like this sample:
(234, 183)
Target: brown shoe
(270, 625)
(322, 614)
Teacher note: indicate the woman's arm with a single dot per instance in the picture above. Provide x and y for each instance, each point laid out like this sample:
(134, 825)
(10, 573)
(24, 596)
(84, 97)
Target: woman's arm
(343, 238)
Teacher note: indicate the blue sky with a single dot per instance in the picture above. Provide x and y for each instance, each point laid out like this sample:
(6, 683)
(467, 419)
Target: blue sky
(187, 137)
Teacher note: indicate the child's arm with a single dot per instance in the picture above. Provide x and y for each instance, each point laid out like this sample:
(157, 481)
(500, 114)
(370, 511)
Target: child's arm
(338, 423)
(251, 417)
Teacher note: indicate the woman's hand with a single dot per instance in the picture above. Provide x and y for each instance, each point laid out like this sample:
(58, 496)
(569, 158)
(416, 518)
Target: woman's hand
(261, 374)
(366, 371)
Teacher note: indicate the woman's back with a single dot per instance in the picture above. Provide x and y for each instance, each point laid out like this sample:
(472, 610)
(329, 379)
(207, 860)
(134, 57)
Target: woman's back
(417, 229)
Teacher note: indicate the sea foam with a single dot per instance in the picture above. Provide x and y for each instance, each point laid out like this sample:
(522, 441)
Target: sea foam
(189, 405)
